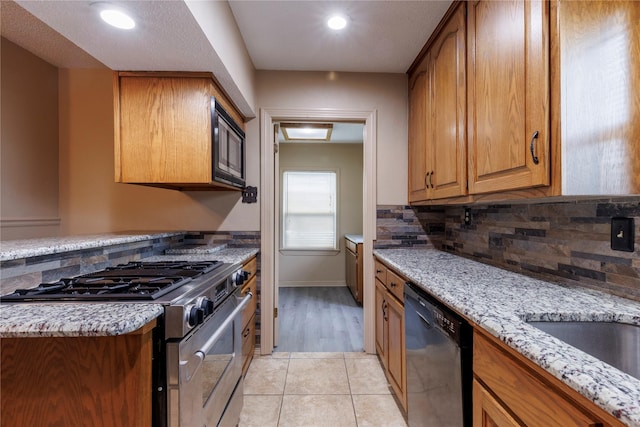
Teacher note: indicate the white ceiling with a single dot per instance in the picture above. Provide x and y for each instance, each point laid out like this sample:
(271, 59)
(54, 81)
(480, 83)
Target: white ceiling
(383, 35)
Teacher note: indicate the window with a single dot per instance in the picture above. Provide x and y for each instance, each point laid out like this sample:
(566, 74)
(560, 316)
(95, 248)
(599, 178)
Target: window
(309, 207)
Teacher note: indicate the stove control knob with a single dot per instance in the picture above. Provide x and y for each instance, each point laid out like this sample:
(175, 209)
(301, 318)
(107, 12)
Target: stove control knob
(195, 316)
(206, 305)
(240, 277)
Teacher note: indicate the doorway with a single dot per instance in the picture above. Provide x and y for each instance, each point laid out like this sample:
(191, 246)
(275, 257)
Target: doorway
(269, 214)
(320, 201)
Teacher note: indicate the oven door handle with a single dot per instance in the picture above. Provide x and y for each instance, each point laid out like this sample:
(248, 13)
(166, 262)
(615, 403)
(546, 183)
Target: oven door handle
(198, 356)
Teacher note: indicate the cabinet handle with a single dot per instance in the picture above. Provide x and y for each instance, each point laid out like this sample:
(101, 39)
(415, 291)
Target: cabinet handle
(426, 183)
(393, 284)
(246, 333)
(431, 179)
(378, 271)
(532, 147)
(384, 310)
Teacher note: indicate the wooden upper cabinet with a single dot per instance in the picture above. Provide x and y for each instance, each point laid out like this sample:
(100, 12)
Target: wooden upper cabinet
(508, 95)
(163, 129)
(598, 87)
(419, 112)
(437, 116)
(449, 103)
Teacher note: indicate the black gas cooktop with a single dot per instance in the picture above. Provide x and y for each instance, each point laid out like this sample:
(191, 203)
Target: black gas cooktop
(132, 281)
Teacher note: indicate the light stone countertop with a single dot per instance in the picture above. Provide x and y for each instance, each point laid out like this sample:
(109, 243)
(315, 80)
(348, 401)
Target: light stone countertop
(96, 319)
(501, 301)
(16, 249)
(355, 238)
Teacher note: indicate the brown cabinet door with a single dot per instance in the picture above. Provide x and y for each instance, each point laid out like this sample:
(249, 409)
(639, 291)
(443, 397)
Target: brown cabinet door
(396, 350)
(419, 116)
(381, 322)
(165, 130)
(487, 411)
(448, 148)
(508, 94)
(352, 273)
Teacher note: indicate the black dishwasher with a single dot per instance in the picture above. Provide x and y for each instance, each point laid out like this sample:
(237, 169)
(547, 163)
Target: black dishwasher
(439, 358)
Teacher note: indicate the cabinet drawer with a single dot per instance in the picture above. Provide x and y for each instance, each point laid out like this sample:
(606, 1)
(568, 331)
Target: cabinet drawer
(248, 344)
(251, 267)
(519, 389)
(395, 284)
(350, 245)
(381, 272)
(250, 309)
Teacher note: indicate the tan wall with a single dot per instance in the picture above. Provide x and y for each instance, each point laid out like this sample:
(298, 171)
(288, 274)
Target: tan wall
(90, 201)
(326, 269)
(386, 93)
(28, 144)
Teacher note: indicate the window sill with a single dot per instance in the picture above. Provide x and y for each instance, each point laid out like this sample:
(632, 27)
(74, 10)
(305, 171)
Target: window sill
(318, 252)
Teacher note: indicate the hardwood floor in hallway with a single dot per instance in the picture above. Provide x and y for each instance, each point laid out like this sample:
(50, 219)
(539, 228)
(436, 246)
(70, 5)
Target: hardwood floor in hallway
(319, 319)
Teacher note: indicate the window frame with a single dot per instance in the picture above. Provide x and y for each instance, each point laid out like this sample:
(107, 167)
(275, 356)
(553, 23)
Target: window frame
(309, 251)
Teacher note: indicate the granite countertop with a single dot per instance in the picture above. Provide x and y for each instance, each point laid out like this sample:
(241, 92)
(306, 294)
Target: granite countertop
(355, 238)
(229, 255)
(501, 302)
(96, 319)
(16, 249)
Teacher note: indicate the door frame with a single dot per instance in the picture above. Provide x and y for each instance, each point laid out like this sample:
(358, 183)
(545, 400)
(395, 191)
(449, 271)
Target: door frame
(268, 213)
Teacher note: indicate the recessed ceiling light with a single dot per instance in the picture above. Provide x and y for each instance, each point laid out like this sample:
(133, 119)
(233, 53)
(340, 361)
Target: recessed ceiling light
(337, 22)
(117, 18)
(306, 131)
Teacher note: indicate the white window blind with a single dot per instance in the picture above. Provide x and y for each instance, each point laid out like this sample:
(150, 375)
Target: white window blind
(309, 210)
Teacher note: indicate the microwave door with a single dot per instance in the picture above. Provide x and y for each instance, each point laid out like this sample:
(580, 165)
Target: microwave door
(235, 155)
(223, 146)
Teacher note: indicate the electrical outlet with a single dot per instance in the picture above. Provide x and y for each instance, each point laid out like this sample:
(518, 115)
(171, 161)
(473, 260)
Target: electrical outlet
(622, 234)
(467, 216)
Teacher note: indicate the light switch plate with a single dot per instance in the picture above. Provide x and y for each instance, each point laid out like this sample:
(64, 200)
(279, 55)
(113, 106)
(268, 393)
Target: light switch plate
(622, 234)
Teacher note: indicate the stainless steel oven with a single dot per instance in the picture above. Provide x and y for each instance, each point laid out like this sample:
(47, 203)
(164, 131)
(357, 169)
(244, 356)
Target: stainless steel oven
(204, 369)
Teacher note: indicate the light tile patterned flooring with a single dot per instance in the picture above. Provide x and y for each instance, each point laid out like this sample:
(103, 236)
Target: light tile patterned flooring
(317, 390)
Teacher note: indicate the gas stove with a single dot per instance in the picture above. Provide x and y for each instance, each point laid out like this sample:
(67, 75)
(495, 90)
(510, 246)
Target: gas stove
(132, 281)
(190, 291)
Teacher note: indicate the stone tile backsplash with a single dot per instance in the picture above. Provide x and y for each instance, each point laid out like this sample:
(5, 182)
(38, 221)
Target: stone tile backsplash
(566, 242)
(404, 226)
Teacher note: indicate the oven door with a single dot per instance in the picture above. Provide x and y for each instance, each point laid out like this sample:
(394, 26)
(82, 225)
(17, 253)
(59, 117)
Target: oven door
(204, 369)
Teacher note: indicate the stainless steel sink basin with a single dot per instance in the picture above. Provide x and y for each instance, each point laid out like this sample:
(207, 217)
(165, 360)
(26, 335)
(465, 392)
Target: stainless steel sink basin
(617, 344)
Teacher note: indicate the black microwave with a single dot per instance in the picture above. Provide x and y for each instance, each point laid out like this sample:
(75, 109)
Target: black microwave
(228, 147)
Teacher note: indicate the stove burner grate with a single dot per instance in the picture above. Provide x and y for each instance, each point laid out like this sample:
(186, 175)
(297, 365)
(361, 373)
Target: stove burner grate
(132, 281)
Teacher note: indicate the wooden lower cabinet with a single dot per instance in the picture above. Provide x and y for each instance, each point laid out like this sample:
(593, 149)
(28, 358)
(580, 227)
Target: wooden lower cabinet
(249, 314)
(77, 381)
(353, 267)
(510, 390)
(487, 411)
(389, 333)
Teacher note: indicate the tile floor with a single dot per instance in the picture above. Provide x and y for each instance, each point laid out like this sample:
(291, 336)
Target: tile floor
(316, 390)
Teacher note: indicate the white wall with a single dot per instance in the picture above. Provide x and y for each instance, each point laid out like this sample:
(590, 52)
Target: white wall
(313, 269)
(219, 25)
(29, 145)
(386, 93)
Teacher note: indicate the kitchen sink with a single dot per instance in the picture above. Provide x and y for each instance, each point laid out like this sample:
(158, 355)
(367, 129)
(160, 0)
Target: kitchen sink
(617, 344)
